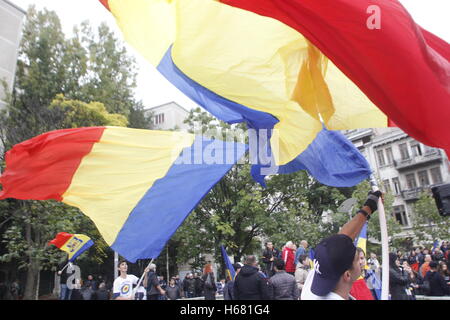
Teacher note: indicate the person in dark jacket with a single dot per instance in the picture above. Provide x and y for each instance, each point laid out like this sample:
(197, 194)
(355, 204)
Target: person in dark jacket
(198, 290)
(228, 293)
(102, 293)
(268, 256)
(189, 286)
(399, 279)
(284, 286)
(250, 283)
(209, 283)
(438, 286)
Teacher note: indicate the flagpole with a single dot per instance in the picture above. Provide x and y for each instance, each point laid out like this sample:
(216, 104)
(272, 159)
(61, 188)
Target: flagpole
(65, 266)
(384, 243)
(116, 265)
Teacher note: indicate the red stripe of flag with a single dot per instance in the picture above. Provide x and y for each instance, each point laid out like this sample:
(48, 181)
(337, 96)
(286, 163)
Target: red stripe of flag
(105, 3)
(60, 239)
(402, 68)
(42, 168)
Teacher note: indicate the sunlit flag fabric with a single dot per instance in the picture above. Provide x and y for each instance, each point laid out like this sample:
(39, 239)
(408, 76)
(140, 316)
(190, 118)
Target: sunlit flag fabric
(136, 185)
(243, 67)
(229, 269)
(73, 244)
(402, 68)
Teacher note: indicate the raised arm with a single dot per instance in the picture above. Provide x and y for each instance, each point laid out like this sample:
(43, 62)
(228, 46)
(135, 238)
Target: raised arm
(354, 226)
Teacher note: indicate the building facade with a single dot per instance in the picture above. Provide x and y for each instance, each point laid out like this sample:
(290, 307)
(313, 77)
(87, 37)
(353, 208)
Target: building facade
(169, 116)
(405, 167)
(11, 21)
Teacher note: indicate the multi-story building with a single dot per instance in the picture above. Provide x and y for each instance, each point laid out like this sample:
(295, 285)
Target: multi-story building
(169, 116)
(404, 166)
(11, 20)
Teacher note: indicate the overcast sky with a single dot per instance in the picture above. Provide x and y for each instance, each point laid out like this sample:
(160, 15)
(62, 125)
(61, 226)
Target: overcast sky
(154, 90)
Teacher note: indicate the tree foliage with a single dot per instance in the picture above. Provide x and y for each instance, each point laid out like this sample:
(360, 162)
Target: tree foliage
(239, 214)
(85, 80)
(428, 224)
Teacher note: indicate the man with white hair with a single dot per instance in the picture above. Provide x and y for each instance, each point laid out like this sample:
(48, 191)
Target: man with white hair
(288, 256)
(154, 289)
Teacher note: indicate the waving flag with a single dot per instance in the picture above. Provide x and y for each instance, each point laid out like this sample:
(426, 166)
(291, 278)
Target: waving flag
(403, 69)
(331, 159)
(137, 186)
(229, 269)
(243, 67)
(73, 244)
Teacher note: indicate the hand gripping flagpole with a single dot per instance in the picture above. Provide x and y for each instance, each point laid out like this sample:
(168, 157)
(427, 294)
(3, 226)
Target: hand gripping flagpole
(384, 243)
(140, 280)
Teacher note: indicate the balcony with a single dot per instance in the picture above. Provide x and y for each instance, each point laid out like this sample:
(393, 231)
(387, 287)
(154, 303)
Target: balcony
(412, 194)
(433, 156)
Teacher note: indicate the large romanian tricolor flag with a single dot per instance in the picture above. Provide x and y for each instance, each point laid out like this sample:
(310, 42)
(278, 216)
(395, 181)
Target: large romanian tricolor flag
(294, 65)
(73, 244)
(402, 68)
(136, 185)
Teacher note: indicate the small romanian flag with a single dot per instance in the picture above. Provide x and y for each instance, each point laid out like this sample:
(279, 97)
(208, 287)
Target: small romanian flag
(229, 269)
(73, 244)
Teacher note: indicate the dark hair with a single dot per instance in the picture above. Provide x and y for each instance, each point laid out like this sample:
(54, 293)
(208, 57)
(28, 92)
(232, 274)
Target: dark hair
(302, 258)
(122, 261)
(279, 264)
(433, 264)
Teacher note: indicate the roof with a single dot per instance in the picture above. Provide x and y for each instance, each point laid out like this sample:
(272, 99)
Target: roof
(15, 6)
(165, 104)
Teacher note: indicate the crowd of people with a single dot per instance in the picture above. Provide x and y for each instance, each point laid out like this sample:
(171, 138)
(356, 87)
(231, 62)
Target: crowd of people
(338, 271)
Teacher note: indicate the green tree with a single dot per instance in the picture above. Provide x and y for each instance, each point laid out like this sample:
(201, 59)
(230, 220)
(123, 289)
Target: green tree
(428, 224)
(76, 114)
(60, 84)
(238, 213)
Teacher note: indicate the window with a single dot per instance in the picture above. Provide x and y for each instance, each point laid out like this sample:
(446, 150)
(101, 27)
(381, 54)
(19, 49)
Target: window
(416, 150)
(436, 175)
(381, 161)
(396, 184)
(400, 215)
(387, 185)
(411, 181)
(404, 151)
(389, 156)
(159, 118)
(423, 178)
